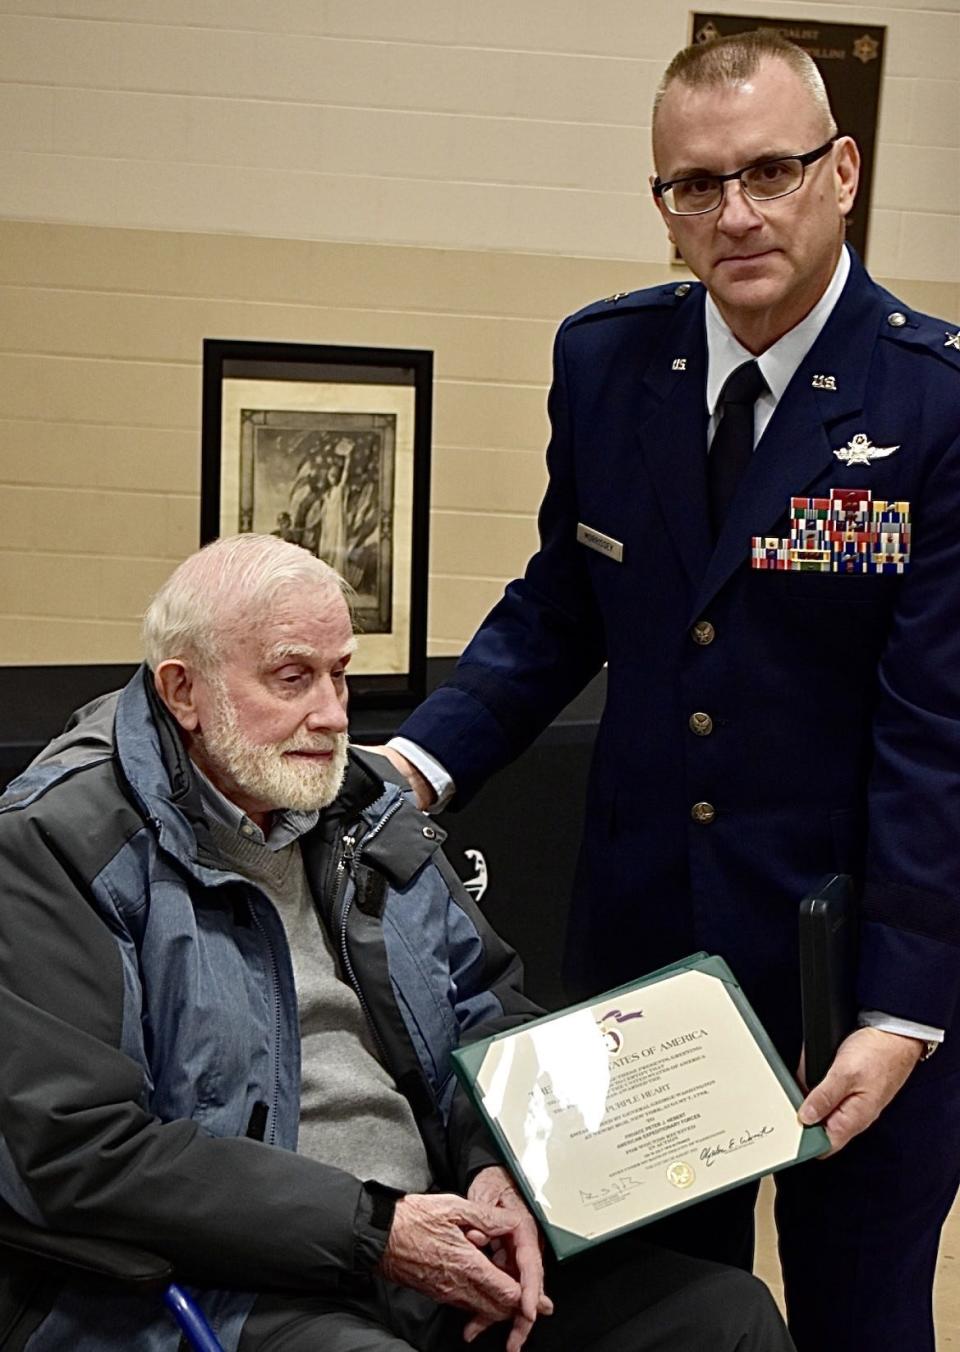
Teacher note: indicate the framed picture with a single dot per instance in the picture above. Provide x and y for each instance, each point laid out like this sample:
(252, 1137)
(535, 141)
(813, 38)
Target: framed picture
(329, 447)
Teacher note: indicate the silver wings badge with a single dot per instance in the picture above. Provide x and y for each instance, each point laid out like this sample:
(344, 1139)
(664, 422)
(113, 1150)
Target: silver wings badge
(860, 451)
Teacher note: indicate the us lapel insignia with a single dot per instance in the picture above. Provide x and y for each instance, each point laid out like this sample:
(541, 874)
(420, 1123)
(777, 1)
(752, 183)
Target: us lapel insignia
(820, 382)
(859, 450)
(848, 532)
(679, 363)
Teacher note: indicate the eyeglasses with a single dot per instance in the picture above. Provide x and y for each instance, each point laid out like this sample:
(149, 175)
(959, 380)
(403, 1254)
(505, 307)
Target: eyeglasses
(761, 182)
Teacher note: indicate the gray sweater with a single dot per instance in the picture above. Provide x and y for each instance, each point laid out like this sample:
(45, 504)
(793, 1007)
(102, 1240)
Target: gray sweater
(351, 1112)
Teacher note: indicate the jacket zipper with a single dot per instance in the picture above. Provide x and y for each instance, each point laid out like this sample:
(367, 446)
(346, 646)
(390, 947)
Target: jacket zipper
(347, 856)
(276, 1021)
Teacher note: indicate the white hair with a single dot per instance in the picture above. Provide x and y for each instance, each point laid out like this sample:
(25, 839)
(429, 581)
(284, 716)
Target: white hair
(225, 588)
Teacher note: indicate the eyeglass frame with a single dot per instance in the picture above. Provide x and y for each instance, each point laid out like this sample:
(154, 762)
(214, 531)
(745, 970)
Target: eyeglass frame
(810, 157)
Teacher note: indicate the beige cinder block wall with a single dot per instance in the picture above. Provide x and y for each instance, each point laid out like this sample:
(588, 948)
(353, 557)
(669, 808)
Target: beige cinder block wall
(446, 175)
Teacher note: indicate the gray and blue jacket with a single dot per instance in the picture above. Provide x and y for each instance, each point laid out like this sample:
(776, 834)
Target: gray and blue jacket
(149, 1038)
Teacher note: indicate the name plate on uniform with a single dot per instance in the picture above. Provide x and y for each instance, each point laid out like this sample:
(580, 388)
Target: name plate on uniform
(603, 544)
(655, 1096)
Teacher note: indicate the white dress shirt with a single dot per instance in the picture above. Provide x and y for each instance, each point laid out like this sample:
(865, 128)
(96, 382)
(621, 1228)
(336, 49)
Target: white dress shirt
(778, 365)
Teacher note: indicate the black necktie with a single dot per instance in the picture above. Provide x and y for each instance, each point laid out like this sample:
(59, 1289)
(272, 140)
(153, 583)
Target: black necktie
(733, 442)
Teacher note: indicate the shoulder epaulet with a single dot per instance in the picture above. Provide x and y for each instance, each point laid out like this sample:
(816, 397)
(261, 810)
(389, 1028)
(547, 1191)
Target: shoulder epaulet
(628, 302)
(911, 328)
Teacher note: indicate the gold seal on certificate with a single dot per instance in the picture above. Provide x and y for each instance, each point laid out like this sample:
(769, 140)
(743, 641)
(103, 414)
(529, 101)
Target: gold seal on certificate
(646, 1100)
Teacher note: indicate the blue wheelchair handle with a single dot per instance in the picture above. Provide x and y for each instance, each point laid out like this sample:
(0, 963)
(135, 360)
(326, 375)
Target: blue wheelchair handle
(190, 1318)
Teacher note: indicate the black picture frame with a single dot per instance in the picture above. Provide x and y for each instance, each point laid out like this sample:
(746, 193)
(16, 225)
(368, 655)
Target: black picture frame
(329, 446)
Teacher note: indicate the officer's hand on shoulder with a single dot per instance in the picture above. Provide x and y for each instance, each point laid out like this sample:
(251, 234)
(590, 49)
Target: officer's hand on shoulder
(421, 787)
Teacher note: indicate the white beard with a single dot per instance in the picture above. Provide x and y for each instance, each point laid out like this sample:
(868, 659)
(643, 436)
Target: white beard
(264, 773)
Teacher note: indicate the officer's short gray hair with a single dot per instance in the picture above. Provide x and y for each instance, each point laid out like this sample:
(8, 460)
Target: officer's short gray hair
(733, 59)
(224, 591)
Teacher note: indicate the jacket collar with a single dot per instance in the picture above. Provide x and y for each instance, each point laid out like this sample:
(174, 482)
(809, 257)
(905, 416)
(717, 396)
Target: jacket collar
(399, 838)
(159, 773)
(161, 778)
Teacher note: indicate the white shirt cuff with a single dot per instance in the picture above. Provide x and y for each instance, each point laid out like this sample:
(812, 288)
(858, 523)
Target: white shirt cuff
(888, 1023)
(431, 769)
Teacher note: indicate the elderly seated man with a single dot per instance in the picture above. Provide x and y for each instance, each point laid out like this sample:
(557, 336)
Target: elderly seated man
(233, 965)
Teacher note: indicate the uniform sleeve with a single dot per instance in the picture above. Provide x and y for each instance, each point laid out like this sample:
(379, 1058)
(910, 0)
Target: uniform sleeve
(80, 1150)
(536, 649)
(910, 957)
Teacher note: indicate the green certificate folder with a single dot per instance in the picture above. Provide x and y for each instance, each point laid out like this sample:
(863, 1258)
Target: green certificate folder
(650, 1098)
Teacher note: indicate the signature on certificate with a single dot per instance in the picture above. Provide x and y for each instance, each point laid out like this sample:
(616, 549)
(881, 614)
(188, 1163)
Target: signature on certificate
(711, 1153)
(618, 1186)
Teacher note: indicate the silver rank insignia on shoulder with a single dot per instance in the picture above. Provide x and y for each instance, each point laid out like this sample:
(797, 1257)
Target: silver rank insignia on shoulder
(859, 450)
(679, 363)
(617, 295)
(824, 382)
(953, 340)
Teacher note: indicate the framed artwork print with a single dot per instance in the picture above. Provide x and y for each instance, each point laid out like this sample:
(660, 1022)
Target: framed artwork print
(329, 448)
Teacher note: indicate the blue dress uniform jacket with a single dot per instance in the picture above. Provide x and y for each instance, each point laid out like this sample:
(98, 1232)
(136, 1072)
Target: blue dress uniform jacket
(828, 737)
(832, 737)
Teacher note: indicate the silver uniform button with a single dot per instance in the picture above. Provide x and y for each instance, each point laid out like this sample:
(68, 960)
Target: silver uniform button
(703, 633)
(703, 813)
(682, 290)
(430, 833)
(897, 319)
(701, 724)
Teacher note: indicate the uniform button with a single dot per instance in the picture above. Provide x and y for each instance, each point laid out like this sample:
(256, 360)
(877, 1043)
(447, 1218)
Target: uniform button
(682, 290)
(703, 813)
(429, 833)
(703, 633)
(701, 724)
(897, 319)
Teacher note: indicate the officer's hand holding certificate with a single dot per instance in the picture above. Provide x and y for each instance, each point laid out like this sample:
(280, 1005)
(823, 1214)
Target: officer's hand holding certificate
(650, 1098)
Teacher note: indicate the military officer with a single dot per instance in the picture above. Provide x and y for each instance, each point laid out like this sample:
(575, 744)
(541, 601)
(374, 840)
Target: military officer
(752, 518)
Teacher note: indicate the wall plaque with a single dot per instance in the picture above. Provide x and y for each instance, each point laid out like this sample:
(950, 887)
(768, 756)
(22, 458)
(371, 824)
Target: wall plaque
(850, 59)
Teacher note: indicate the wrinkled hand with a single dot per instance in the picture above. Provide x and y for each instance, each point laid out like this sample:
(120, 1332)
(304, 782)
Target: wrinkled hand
(519, 1253)
(422, 788)
(428, 1249)
(869, 1069)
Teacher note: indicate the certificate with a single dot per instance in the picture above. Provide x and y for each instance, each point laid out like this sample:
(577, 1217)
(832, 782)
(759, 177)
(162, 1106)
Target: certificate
(650, 1098)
